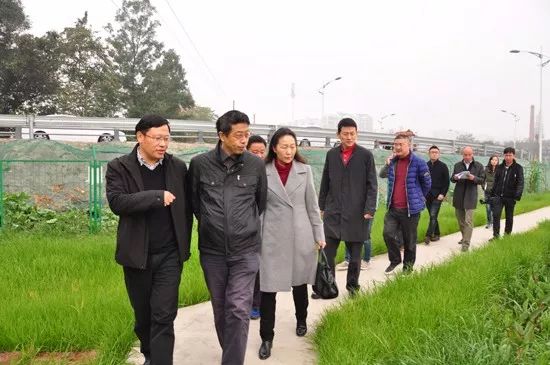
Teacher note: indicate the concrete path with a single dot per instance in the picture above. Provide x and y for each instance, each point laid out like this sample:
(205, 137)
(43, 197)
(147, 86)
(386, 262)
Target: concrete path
(196, 341)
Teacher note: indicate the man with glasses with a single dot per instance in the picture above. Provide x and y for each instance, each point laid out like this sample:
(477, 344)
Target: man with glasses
(147, 190)
(408, 184)
(229, 192)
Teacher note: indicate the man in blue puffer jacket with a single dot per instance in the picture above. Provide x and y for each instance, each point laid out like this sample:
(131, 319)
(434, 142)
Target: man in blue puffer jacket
(408, 184)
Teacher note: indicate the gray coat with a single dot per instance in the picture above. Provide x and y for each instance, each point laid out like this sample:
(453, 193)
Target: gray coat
(291, 226)
(465, 194)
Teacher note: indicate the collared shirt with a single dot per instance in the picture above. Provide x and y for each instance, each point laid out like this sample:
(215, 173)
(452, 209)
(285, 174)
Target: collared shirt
(150, 166)
(227, 160)
(467, 164)
(346, 153)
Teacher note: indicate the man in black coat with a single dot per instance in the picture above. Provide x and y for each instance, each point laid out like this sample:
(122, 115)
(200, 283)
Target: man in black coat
(439, 173)
(229, 192)
(146, 189)
(507, 189)
(347, 198)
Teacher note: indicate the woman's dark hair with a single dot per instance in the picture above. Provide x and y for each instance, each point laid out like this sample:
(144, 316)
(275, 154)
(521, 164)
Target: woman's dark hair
(279, 133)
(226, 121)
(255, 139)
(489, 166)
(151, 121)
(346, 122)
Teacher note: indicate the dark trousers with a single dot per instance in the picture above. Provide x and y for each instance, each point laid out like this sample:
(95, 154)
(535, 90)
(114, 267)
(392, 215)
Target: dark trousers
(256, 299)
(433, 206)
(230, 281)
(354, 267)
(398, 220)
(267, 310)
(508, 204)
(153, 293)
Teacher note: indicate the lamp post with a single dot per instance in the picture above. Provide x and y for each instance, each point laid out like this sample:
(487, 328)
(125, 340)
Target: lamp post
(516, 120)
(322, 92)
(543, 63)
(382, 118)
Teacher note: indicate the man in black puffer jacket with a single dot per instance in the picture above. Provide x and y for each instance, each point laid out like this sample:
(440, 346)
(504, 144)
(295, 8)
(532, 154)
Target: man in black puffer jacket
(507, 190)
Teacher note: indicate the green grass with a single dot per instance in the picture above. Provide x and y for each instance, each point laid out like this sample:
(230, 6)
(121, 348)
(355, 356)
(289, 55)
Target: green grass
(487, 307)
(447, 220)
(66, 293)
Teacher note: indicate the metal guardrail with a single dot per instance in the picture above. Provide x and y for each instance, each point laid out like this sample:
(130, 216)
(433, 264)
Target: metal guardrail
(24, 126)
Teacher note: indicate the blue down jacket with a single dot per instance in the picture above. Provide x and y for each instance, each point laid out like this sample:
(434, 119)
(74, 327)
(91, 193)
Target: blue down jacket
(418, 183)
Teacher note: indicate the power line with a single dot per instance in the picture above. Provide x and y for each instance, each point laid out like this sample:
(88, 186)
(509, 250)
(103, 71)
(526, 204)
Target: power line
(195, 48)
(115, 4)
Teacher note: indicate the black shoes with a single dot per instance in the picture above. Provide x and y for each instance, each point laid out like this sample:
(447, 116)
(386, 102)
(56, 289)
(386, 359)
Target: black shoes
(390, 269)
(265, 349)
(315, 296)
(147, 361)
(301, 329)
(427, 240)
(434, 238)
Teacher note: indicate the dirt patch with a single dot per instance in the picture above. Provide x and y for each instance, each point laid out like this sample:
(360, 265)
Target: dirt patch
(69, 358)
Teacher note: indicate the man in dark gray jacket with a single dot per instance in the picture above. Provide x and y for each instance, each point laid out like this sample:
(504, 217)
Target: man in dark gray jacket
(347, 199)
(146, 189)
(468, 174)
(229, 191)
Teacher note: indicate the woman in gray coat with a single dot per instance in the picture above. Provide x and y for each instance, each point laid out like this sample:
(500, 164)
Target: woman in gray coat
(292, 233)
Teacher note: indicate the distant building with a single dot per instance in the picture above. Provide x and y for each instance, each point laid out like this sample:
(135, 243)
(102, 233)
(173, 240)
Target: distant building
(364, 121)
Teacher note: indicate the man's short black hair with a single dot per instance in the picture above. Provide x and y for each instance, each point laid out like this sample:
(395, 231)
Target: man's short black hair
(434, 147)
(511, 150)
(226, 121)
(255, 139)
(151, 121)
(346, 122)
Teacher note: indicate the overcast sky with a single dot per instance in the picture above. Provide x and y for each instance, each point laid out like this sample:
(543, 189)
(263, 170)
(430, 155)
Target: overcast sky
(437, 64)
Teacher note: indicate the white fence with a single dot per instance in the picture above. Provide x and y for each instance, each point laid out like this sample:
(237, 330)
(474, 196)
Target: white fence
(116, 129)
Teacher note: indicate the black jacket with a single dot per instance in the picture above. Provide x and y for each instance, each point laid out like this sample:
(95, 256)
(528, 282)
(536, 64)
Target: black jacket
(128, 199)
(508, 182)
(347, 193)
(440, 178)
(228, 203)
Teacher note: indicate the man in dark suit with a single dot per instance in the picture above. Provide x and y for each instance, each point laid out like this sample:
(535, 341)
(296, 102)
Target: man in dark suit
(146, 189)
(347, 199)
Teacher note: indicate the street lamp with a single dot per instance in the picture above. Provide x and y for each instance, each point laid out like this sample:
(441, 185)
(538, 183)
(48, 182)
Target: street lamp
(516, 120)
(542, 64)
(322, 92)
(384, 117)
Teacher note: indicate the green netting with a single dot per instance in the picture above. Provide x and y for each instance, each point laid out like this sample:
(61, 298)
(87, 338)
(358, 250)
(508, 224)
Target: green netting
(64, 176)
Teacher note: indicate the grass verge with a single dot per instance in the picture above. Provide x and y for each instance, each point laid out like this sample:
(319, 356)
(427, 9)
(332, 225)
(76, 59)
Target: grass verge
(66, 293)
(487, 307)
(63, 294)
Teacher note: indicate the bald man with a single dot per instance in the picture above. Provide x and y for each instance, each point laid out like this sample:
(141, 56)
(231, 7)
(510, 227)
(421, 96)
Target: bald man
(467, 175)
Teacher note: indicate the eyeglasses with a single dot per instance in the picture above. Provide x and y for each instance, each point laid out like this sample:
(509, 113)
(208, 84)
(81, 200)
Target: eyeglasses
(159, 139)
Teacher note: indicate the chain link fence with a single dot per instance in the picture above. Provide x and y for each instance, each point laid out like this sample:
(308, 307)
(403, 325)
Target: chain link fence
(59, 176)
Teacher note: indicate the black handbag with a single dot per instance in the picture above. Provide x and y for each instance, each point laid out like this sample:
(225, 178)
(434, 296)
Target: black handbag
(325, 285)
